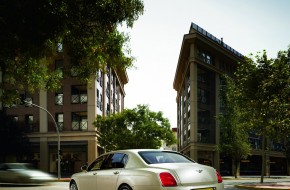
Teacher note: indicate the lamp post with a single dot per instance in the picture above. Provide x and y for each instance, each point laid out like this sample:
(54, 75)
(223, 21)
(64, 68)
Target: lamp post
(58, 136)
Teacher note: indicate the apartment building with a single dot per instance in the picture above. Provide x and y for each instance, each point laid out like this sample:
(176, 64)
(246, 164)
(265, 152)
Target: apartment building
(74, 107)
(202, 61)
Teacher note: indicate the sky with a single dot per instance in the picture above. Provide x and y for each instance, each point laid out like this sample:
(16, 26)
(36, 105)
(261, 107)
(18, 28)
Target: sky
(248, 26)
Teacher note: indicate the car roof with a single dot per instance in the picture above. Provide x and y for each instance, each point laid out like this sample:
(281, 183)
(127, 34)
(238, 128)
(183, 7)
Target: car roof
(139, 150)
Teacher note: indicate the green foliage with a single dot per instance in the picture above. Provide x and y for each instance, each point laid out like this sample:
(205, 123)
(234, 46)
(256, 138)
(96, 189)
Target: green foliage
(32, 29)
(259, 102)
(234, 136)
(256, 101)
(134, 128)
(265, 87)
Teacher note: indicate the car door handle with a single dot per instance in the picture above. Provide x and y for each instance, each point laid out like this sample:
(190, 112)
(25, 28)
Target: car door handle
(95, 173)
(116, 172)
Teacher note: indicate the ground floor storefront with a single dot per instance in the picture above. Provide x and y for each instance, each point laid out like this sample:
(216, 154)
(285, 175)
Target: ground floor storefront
(253, 164)
(77, 149)
(276, 162)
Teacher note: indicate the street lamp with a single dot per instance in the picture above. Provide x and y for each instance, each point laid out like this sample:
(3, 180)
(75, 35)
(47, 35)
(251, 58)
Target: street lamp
(57, 130)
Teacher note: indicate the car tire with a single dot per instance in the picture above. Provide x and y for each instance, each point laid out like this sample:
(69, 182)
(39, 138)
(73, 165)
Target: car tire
(73, 186)
(125, 187)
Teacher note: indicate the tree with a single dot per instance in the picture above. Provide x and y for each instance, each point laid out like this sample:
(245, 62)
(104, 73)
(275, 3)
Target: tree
(234, 137)
(264, 85)
(133, 129)
(32, 30)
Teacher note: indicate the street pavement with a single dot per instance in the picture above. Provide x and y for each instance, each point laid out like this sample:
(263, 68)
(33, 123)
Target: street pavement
(230, 183)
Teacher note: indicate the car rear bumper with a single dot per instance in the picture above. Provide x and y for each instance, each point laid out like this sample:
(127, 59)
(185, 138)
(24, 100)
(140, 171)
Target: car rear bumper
(219, 186)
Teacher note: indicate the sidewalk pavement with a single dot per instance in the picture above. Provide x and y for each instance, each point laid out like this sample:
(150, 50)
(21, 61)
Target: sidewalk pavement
(265, 186)
(270, 183)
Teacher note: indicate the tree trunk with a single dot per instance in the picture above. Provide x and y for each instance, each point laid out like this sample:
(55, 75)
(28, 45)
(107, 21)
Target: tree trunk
(263, 157)
(236, 165)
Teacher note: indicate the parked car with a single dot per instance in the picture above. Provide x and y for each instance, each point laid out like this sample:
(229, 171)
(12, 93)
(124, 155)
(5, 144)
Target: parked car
(22, 173)
(145, 170)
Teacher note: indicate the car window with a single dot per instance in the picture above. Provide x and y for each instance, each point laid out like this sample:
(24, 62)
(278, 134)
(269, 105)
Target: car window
(156, 157)
(96, 165)
(3, 167)
(116, 160)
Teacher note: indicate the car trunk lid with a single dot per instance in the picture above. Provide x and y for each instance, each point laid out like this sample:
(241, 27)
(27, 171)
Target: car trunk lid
(191, 174)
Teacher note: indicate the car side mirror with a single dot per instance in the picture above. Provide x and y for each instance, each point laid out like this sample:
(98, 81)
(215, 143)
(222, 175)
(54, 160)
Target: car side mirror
(84, 168)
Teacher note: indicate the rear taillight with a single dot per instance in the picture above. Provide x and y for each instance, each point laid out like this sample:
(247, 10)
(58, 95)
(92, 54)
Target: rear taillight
(167, 180)
(219, 177)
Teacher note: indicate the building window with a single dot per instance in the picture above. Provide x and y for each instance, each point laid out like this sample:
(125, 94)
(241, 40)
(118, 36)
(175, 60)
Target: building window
(74, 72)
(101, 102)
(29, 123)
(59, 66)
(14, 119)
(221, 101)
(203, 96)
(204, 56)
(98, 98)
(204, 122)
(79, 121)
(188, 135)
(58, 99)
(59, 121)
(98, 75)
(229, 69)
(79, 94)
(28, 101)
(101, 78)
(108, 90)
(108, 109)
(203, 77)
(59, 47)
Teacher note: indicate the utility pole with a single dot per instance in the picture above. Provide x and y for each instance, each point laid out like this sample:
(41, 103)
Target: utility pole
(57, 130)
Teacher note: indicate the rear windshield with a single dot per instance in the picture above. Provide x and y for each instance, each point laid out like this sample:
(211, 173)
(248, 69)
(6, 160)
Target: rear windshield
(157, 157)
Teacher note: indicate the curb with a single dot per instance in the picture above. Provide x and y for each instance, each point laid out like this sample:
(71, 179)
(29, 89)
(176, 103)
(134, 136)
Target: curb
(62, 180)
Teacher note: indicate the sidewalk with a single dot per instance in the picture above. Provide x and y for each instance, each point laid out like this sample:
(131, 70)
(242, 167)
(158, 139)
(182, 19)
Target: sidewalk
(266, 186)
(253, 182)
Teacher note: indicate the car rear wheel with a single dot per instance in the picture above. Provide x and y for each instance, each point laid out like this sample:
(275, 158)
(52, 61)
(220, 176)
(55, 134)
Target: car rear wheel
(125, 187)
(73, 186)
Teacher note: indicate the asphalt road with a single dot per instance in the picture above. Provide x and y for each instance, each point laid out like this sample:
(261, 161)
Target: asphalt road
(228, 182)
(51, 186)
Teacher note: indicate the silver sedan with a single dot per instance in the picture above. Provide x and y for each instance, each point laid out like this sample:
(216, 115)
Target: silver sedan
(22, 173)
(146, 170)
